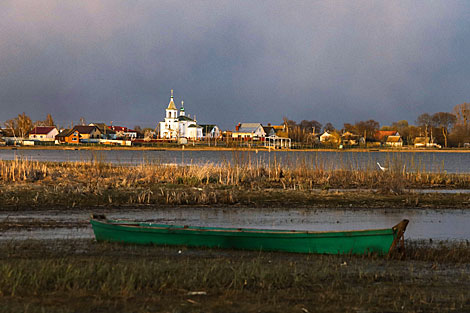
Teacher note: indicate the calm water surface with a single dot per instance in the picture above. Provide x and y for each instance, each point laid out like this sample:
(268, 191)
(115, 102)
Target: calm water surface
(452, 162)
(448, 224)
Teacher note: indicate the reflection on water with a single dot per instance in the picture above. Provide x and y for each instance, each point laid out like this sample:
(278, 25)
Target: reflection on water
(446, 224)
(451, 162)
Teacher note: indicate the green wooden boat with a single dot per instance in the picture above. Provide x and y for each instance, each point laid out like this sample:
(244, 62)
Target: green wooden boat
(380, 241)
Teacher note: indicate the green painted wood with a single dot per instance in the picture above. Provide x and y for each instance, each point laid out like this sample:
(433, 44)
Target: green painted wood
(341, 242)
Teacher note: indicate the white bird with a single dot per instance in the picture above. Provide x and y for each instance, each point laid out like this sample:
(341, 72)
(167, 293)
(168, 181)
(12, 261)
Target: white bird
(381, 167)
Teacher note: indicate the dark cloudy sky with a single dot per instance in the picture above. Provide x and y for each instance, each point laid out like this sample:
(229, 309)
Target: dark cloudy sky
(233, 61)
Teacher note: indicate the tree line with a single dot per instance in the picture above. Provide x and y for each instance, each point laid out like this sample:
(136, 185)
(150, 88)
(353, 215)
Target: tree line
(449, 129)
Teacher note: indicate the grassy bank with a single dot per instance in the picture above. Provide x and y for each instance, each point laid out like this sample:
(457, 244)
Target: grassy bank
(245, 183)
(84, 276)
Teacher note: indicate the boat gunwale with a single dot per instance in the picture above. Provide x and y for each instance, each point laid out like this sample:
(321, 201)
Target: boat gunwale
(138, 226)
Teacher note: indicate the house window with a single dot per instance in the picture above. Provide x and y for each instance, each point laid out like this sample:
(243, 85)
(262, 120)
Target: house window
(74, 139)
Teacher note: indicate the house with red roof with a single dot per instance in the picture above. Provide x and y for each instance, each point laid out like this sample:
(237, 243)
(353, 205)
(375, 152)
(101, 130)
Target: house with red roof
(381, 135)
(124, 132)
(43, 133)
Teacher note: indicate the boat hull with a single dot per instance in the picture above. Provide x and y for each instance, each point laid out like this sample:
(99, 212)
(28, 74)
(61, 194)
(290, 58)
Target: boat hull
(342, 242)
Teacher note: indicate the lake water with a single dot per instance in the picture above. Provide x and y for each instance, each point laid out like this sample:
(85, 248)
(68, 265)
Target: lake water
(451, 162)
(439, 225)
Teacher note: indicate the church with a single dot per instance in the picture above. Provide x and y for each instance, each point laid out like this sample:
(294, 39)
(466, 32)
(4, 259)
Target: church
(176, 125)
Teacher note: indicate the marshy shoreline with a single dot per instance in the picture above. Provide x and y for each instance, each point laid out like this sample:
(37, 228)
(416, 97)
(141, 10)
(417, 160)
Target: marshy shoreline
(97, 185)
(81, 275)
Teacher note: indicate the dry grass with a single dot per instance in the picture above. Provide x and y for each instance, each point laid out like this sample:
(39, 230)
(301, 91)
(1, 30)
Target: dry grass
(83, 276)
(244, 173)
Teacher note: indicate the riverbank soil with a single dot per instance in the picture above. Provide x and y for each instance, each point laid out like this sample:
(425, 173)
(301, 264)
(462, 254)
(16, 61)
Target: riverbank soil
(86, 276)
(26, 197)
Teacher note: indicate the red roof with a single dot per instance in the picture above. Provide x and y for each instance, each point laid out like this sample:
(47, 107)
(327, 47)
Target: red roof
(118, 128)
(41, 130)
(381, 134)
(122, 128)
(84, 129)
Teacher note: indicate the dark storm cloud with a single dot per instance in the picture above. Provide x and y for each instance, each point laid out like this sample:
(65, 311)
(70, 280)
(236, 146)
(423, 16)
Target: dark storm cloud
(232, 61)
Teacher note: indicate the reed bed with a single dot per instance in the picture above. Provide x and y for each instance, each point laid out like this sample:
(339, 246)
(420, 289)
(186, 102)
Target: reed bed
(89, 277)
(245, 173)
(99, 183)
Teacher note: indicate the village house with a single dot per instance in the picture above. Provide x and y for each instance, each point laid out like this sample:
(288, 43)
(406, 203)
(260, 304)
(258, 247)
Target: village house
(425, 142)
(88, 132)
(43, 133)
(8, 135)
(124, 132)
(210, 131)
(249, 131)
(194, 132)
(106, 131)
(328, 137)
(276, 142)
(269, 130)
(394, 141)
(66, 136)
(349, 139)
(273, 140)
(78, 134)
(281, 130)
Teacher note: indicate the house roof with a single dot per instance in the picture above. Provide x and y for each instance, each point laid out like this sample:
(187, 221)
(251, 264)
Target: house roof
(104, 128)
(185, 118)
(349, 135)
(64, 133)
(249, 127)
(381, 134)
(41, 130)
(119, 128)
(422, 140)
(84, 129)
(195, 125)
(393, 138)
(268, 129)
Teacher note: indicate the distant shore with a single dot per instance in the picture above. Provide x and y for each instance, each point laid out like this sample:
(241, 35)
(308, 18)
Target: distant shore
(215, 148)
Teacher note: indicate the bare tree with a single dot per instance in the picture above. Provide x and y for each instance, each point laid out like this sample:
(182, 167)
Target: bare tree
(462, 113)
(368, 128)
(20, 125)
(328, 127)
(49, 121)
(444, 121)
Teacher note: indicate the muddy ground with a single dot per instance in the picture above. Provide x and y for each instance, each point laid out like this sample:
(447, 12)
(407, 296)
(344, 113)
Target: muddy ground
(29, 197)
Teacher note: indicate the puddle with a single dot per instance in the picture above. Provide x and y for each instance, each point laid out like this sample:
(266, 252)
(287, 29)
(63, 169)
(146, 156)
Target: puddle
(448, 224)
(49, 233)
